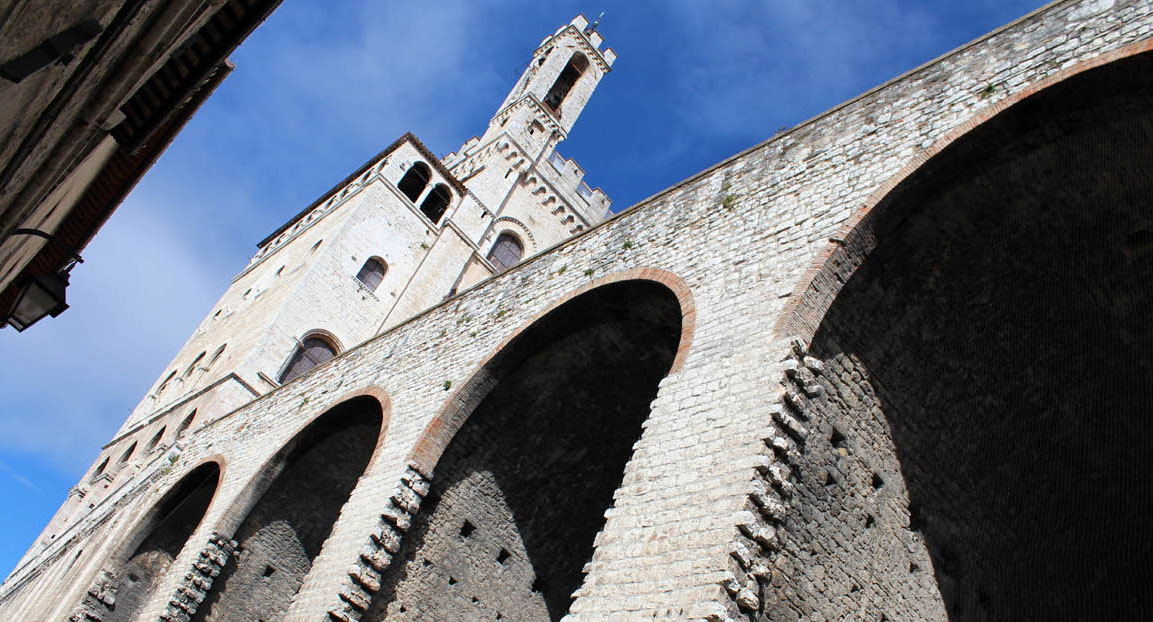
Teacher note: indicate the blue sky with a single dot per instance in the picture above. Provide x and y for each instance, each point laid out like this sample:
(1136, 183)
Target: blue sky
(322, 86)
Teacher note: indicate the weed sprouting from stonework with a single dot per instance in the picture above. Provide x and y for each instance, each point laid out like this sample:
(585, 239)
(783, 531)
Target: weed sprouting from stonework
(590, 272)
(627, 245)
(447, 385)
(562, 269)
(988, 91)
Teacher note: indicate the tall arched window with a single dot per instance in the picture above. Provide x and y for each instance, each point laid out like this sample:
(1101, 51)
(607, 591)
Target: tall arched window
(187, 423)
(309, 353)
(565, 81)
(506, 251)
(215, 357)
(372, 273)
(414, 181)
(128, 453)
(192, 365)
(436, 202)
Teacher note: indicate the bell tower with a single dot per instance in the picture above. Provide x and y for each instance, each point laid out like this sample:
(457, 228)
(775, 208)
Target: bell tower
(560, 77)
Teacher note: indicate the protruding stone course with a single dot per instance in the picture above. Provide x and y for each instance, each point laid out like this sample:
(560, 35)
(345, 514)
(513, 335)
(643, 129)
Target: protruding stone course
(364, 577)
(98, 601)
(208, 565)
(761, 525)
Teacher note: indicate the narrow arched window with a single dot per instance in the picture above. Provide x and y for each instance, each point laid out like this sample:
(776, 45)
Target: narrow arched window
(372, 273)
(192, 366)
(565, 81)
(187, 423)
(215, 357)
(100, 469)
(506, 251)
(436, 202)
(414, 181)
(128, 453)
(309, 353)
(155, 440)
(167, 379)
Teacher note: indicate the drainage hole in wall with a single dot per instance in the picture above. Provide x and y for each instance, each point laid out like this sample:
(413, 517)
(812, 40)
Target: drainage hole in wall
(502, 557)
(467, 528)
(452, 580)
(268, 571)
(132, 578)
(869, 521)
(838, 440)
(877, 482)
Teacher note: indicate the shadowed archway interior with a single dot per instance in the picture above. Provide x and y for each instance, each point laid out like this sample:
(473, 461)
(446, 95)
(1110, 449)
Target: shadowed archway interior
(982, 449)
(311, 480)
(522, 488)
(171, 524)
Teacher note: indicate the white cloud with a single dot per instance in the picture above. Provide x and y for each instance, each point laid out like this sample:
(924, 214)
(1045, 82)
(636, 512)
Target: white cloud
(141, 290)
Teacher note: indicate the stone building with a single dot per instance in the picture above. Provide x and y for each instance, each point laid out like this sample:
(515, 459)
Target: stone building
(893, 364)
(91, 93)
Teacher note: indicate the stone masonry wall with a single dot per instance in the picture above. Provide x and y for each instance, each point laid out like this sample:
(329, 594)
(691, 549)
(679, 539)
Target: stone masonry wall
(733, 244)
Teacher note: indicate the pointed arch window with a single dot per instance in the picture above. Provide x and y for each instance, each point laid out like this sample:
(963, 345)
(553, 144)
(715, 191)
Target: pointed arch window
(192, 365)
(187, 423)
(414, 181)
(215, 357)
(565, 81)
(309, 353)
(372, 273)
(164, 384)
(159, 436)
(506, 252)
(436, 202)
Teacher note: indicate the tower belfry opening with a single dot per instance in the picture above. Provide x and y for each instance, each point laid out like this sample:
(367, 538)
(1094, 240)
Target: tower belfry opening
(565, 81)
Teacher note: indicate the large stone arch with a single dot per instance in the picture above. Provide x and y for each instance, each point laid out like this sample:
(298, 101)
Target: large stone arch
(139, 564)
(286, 514)
(978, 449)
(526, 455)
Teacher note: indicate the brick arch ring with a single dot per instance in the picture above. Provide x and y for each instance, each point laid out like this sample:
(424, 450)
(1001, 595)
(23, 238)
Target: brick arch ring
(460, 405)
(847, 249)
(258, 483)
(151, 504)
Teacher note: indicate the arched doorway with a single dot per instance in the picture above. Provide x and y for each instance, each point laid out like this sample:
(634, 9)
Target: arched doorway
(311, 479)
(521, 490)
(979, 452)
(166, 530)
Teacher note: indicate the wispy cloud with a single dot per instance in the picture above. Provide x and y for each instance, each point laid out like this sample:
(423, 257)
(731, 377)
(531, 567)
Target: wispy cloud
(20, 479)
(142, 289)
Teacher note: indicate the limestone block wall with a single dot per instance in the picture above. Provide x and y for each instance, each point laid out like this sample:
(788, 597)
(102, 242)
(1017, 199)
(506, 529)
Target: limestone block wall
(754, 250)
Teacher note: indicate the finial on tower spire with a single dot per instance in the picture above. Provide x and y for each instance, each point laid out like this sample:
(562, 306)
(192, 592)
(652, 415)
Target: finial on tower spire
(593, 26)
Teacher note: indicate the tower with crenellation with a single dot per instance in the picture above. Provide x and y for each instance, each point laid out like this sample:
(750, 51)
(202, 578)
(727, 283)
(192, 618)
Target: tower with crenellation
(401, 233)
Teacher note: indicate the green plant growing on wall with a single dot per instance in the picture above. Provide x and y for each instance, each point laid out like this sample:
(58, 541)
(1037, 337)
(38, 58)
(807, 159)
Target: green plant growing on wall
(590, 272)
(627, 245)
(988, 90)
(562, 269)
(447, 385)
